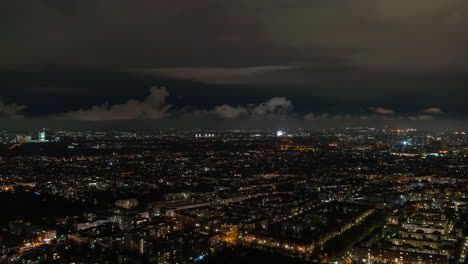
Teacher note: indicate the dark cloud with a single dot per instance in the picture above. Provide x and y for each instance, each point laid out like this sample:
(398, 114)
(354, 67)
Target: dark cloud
(152, 107)
(382, 111)
(434, 110)
(274, 108)
(10, 110)
(398, 35)
(327, 56)
(315, 117)
(370, 118)
(155, 106)
(421, 117)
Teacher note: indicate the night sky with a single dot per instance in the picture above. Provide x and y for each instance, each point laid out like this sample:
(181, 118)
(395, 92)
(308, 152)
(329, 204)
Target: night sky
(216, 63)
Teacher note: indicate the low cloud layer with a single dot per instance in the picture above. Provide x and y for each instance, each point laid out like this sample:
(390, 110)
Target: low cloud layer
(421, 117)
(156, 106)
(10, 110)
(312, 116)
(382, 111)
(277, 107)
(152, 107)
(434, 110)
(371, 117)
(378, 113)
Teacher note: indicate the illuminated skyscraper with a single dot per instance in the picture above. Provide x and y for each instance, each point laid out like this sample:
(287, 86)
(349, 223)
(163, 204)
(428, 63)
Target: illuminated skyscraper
(42, 136)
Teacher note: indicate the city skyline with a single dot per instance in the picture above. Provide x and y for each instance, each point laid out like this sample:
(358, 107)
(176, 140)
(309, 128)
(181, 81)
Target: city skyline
(355, 195)
(246, 131)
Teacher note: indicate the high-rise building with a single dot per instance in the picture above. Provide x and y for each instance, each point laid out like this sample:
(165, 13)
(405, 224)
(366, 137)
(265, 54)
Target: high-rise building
(42, 136)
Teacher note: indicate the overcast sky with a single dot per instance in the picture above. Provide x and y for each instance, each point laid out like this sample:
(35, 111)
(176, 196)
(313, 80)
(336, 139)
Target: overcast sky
(235, 61)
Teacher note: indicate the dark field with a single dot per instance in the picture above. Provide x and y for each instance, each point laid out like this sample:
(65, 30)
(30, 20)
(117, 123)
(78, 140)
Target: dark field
(34, 207)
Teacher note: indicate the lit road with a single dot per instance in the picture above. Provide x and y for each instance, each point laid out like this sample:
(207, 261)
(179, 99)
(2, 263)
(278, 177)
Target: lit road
(464, 251)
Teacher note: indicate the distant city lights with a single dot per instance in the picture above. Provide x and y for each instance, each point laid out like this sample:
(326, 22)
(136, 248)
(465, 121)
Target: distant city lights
(406, 143)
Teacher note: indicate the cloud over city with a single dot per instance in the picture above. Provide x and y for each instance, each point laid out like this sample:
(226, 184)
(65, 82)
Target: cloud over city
(152, 107)
(277, 107)
(10, 110)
